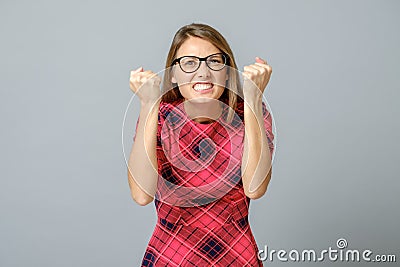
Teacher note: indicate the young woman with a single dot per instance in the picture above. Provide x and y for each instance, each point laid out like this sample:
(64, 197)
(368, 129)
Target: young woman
(202, 150)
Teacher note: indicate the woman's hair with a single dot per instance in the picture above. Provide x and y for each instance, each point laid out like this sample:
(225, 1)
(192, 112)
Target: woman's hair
(208, 33)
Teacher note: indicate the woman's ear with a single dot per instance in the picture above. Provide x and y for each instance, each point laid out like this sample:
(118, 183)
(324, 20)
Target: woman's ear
(172, 74)
(173, 80)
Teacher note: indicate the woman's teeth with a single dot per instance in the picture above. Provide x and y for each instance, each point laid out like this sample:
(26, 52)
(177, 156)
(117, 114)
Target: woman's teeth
(202, 86)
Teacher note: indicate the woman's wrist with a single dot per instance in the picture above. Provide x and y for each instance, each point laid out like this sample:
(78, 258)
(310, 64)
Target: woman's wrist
(149, 103)
(253, 102)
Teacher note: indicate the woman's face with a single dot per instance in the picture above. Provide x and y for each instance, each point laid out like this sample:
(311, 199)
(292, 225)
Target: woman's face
(204, 82)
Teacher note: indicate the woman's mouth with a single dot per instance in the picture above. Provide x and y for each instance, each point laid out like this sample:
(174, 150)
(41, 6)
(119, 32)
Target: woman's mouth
(203, 87)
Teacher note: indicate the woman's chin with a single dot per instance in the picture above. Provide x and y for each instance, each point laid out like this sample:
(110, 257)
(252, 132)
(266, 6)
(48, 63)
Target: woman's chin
(201, 99)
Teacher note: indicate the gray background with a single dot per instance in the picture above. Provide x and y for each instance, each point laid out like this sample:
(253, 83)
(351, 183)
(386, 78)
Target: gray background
(64, 195)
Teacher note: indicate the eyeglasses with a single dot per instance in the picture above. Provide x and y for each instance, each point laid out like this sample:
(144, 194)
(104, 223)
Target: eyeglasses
(190, 64)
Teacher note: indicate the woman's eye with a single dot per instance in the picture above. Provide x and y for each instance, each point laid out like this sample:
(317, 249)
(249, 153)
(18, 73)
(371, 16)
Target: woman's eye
(189, 63)
(215, 60)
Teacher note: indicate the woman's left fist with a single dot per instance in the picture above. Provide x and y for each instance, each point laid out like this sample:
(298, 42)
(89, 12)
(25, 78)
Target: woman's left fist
(256, 75)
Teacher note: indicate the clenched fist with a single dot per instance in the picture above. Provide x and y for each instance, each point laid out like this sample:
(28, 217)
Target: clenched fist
(146, 84)
(256, 77)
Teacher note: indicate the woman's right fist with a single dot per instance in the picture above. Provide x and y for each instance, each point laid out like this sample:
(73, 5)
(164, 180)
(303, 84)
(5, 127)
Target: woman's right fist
(146, 84)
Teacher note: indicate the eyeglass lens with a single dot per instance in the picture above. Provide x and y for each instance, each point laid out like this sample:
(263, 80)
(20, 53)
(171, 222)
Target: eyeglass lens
(191, 63)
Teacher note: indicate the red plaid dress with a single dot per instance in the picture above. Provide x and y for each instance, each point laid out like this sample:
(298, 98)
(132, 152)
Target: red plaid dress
(200, 202)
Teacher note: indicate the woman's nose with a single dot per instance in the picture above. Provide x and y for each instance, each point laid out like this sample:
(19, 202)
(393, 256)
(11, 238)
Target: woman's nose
(203, 71)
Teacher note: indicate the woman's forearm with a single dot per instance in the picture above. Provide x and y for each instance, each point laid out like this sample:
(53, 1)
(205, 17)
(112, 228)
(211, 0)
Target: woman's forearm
(142, 163)
(256, 164)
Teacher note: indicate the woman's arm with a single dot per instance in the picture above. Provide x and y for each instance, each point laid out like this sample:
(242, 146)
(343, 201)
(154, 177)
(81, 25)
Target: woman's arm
(142, 163)
(256, 163)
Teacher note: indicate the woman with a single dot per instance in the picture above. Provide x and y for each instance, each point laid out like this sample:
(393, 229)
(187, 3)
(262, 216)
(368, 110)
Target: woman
(202, 150)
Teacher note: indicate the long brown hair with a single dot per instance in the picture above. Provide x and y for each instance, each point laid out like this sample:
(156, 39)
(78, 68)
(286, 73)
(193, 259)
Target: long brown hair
(171, 91)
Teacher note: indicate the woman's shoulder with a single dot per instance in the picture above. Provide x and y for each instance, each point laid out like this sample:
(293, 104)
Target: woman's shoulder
(167, 107)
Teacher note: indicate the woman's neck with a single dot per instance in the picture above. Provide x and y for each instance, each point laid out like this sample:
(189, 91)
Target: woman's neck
(203, 111)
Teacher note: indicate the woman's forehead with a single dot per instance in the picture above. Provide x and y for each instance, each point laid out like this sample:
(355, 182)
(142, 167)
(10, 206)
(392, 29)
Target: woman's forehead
(195, 46)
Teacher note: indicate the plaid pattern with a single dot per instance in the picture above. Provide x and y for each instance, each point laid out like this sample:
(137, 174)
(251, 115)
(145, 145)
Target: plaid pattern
(201, 206)
(198, 163)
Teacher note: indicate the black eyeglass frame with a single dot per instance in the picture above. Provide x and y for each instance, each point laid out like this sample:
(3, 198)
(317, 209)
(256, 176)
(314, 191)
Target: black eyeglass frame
(224, 56)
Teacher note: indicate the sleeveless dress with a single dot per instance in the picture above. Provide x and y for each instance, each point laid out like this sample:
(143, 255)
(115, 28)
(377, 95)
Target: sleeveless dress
(201, 206)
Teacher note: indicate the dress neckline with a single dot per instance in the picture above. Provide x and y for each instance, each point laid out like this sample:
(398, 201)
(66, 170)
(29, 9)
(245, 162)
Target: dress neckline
(199, 124)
